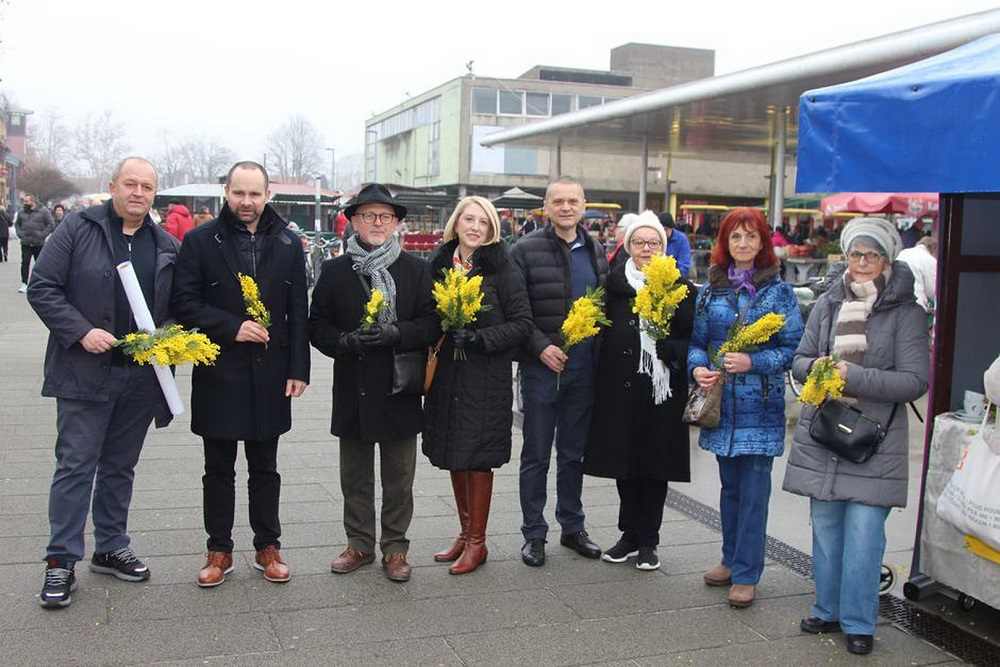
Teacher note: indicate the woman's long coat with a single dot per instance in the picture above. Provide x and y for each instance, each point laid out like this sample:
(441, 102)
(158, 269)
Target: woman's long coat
(468, 408)
(242, 396)
(630, 436)
(895, 370)
(364, 408)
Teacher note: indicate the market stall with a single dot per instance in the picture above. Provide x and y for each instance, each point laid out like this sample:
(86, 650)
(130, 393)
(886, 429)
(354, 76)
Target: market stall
(930, 127)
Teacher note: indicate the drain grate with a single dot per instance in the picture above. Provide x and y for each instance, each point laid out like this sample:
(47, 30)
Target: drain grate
(899, 612)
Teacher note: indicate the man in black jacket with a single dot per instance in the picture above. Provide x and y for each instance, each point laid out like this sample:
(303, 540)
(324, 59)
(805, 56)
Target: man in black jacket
(263, 364)
(34, 224)
(560, 262)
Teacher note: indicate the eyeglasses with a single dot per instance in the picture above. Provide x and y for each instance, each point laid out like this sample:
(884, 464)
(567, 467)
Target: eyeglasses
(652, 245)
(384, 218)
(871, 257)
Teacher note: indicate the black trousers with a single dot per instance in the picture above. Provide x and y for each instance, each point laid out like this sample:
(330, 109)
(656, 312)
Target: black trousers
(4, 242)
(219, 492)
(641, 510)
(28, 252)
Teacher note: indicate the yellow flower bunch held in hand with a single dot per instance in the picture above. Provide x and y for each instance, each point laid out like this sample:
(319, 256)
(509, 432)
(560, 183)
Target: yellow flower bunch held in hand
(746, 338)
(657, 300)
(823, 382)
(169, 346)
(374, 308)
(251, 298)
(459, 300)
(584, 320)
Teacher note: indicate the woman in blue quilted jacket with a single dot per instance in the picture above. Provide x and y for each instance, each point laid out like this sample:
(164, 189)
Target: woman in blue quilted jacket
(744, 283)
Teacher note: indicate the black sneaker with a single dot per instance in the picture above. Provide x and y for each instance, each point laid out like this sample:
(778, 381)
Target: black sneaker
(648, 560)
(621, 552)
(122, 563)
(59, 583)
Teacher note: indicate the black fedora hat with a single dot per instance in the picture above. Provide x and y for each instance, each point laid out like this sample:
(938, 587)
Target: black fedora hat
(374, 193)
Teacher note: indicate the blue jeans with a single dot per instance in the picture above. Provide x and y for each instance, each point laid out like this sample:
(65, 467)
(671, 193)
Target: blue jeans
(565, 414)
(96, 451)
(743, 502)
(848, 545)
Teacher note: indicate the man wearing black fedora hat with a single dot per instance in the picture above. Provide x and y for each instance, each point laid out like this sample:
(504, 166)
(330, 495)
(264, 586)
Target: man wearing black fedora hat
(365, 411)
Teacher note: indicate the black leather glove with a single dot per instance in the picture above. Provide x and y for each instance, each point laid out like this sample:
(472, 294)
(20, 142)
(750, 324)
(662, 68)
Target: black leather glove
(381, 336)
(466, 339)
(350, 343)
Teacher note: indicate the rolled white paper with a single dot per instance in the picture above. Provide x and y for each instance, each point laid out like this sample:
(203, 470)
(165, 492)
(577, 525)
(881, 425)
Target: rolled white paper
(144, 320)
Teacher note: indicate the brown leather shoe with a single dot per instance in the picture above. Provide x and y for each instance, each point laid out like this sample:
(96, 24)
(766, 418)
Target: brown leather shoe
(269, 562)
(217, 565)
(720, 575)
(396, 568)
(350, 560)
(741, 596)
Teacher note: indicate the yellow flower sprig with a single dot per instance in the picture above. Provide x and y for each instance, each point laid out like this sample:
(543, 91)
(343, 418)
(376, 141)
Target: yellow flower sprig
(251, 298)
(169, 346)
(583, 319)
(822, 383)
(459, 300)
(746, 337)
(376, 304)
(657, 300)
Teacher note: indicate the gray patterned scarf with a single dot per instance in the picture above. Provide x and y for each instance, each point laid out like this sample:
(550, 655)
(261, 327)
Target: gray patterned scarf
(374, 264)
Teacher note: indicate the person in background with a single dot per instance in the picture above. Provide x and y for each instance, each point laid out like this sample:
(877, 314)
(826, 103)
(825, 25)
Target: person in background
(912, 234)
(560, 263)
(678, 245)
(5, 224)
(467, 415)
(620, 255)
(58, 213)
(104, 401)
(247, 394)
(743, 286)
(365, 411)
(204, 215)
(922, 260)
(636, 435)
(33, 225)
(868, 322)
(179, 222)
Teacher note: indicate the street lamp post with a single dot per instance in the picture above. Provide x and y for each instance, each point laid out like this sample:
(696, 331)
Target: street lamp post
(319, 216)
(333, 168)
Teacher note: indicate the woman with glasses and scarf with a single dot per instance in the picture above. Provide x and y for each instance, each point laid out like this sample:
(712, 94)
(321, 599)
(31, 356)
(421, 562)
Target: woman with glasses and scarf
(636, 436)
(744, 284)
(869, 322)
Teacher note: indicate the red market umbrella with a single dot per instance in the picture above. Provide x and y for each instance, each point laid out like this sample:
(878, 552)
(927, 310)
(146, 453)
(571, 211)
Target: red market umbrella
(914, 204)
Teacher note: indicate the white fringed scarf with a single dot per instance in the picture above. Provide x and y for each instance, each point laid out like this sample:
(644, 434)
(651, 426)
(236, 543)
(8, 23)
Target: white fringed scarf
(649, 363)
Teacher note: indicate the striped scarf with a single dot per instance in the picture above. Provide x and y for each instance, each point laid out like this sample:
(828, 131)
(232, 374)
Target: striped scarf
(374, 264)
(850, 339)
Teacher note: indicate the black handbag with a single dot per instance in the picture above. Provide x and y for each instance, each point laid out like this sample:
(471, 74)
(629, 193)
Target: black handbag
(846, 431)
(408, 373)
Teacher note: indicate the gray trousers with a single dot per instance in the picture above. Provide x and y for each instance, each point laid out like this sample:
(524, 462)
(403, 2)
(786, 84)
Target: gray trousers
(97, 448)
(398, 463)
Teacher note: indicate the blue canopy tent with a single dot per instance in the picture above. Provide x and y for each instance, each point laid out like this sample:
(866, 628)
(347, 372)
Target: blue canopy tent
(931, 126)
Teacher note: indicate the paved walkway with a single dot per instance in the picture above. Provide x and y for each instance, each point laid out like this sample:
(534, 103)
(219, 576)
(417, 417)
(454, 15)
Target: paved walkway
(571, 611)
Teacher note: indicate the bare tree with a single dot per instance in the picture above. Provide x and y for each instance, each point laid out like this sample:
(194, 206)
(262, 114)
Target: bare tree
(295, 148)
(50, 142)
(205, 158)
(47, 183)
(100, 144)
(168, 163)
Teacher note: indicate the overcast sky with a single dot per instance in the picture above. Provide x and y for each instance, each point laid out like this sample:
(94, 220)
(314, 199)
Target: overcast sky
(235, 70)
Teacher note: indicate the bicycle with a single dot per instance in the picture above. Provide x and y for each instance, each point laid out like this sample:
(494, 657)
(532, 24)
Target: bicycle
(318, 250)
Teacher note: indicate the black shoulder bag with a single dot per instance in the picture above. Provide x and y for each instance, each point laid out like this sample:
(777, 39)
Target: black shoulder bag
(848, 432)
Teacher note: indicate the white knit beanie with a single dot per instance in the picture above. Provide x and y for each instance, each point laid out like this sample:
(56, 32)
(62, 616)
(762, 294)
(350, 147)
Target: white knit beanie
(879, 230)
(646, 219)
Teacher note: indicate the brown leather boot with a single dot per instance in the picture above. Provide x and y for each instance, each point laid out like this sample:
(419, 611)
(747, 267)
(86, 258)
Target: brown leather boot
(460, 485)
(480, 494)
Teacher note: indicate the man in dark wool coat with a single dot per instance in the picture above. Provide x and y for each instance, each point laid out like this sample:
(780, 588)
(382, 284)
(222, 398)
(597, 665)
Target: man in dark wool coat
(365, 410)
(246, 395)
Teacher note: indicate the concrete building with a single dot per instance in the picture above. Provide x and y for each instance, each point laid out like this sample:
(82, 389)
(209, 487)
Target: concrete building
(432, 140)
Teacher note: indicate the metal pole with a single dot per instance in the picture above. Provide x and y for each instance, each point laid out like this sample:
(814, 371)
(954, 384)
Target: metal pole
(319, 220)
(644, 173)
(333, 168)
(778, 171)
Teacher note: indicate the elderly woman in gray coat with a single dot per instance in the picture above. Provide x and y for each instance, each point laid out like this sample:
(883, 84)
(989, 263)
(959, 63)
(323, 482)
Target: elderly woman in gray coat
(869, 322)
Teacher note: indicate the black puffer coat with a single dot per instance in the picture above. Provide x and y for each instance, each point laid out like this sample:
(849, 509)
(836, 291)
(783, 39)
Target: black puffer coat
(544, 261)
(468, 408)
(630, 436)
(242, 396)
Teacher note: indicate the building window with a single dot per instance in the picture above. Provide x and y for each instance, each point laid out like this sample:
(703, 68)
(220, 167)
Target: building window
(536, 104)
(587, 101)
(484, 100)
(500, 159)
(512, 102)
(371, 154)
(561, 104)
(434, 150)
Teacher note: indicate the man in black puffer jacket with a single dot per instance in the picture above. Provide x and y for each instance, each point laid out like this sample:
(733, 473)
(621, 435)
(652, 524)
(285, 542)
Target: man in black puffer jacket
(560, 263)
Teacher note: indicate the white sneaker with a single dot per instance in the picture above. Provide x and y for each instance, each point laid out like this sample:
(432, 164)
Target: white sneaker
(23, 288)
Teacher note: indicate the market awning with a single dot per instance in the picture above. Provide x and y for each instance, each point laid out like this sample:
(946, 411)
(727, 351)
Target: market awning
(916, 204)
(517, 198)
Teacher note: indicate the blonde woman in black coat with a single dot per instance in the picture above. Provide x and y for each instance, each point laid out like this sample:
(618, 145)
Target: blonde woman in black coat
(636, 435)
(468, 407)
